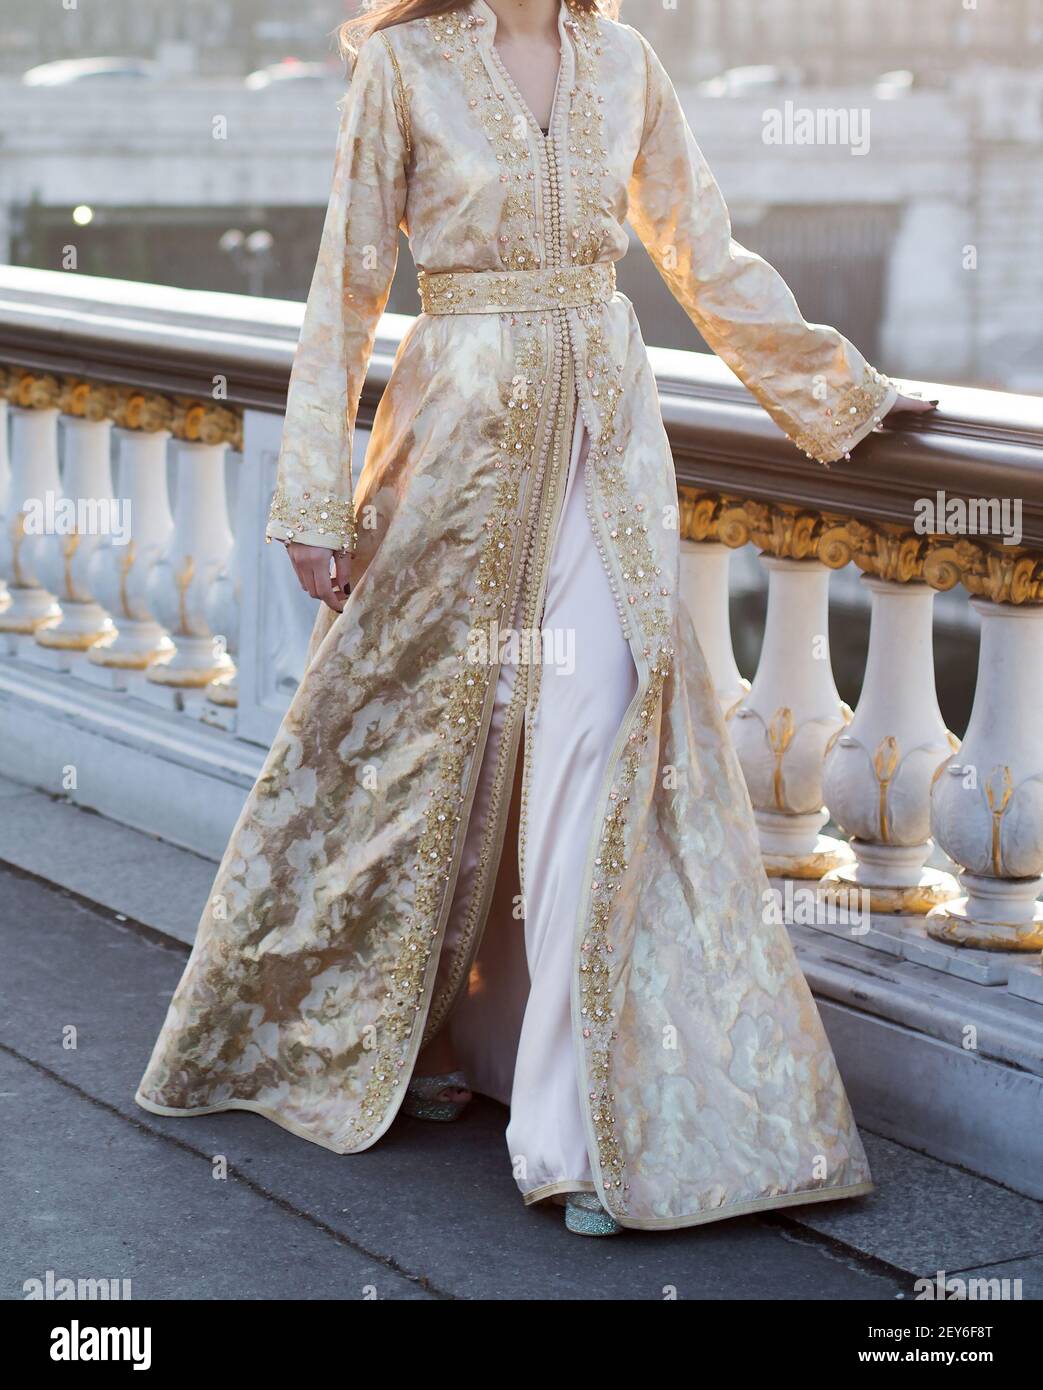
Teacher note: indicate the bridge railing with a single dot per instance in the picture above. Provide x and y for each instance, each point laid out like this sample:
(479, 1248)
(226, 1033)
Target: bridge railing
(150, 640)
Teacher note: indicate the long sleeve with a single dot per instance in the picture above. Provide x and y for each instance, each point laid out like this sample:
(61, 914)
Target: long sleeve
(356, 264)
(813, 383)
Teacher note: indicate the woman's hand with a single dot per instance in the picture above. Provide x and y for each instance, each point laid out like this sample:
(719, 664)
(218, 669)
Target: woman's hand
(322, 573)
(911, 405)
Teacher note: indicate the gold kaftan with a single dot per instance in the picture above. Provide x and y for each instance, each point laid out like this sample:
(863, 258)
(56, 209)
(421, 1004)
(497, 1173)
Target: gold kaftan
(708, 1086)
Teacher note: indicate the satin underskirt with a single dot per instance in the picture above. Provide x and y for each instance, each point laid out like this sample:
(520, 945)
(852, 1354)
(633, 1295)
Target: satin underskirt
(511, 1025)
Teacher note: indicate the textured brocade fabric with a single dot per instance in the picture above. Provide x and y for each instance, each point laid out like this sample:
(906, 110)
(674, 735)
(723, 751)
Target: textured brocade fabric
(350, 287)
(709, 1086)
(812, 382)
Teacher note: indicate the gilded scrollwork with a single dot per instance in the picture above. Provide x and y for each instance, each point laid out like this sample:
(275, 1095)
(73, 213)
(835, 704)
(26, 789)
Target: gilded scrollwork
(886, 550)
(1007, 574)
(186, 417)
(144, 410)
(87, 400)
(32, 390)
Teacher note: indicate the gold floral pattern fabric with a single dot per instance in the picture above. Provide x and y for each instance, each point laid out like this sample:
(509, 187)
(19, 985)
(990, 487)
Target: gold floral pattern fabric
(813, 383)
(353, 273)
(710, 1088)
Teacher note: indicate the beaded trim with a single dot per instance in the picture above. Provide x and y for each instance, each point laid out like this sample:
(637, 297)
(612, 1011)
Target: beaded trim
(611, 509)
(466, 696)
(842, 421)
(570, 239)
(625, 520)
(323, 516)
(400, 98)
(586, 149)
(457, 37)
(542, 508)
(519, 291)
(596, 985)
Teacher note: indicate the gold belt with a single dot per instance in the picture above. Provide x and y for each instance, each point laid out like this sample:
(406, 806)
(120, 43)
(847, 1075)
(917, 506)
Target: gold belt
(499, 291)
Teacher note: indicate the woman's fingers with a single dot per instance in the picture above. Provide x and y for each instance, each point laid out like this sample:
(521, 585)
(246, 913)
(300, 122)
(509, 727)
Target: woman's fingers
(322, 573)
(305, 570)
(324, 590)
(912, 405)
(342, 567)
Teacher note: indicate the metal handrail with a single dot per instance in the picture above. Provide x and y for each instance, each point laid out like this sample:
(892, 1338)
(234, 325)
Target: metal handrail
(980, 443)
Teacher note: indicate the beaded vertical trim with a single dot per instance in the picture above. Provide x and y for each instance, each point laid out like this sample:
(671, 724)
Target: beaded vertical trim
(456, 38)
(596, 985)
(621, 535)
(466, 698)
(585, 148)
(644, 615)
(570, 240)
(400, 98)
(541, 512)
(484, 86)
(516, 438)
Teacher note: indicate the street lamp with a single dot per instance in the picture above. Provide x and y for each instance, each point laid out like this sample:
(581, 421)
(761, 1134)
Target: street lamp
(251, 253)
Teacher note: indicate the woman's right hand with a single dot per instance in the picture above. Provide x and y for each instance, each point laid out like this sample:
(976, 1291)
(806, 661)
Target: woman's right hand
(318, 576)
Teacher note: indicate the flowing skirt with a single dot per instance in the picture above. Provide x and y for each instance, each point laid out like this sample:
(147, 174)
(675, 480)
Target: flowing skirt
(511, 1025)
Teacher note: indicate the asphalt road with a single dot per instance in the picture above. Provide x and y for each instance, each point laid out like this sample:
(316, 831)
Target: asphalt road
(96, 1188)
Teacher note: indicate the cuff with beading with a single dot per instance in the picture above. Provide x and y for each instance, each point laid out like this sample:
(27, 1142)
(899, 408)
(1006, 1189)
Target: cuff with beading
(310, 519)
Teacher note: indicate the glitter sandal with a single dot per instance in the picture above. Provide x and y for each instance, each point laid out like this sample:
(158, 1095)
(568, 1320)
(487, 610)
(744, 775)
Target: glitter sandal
(585, 1216)
(424, 1100)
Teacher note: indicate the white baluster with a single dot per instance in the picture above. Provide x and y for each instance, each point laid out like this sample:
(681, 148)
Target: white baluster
(987, 805)
(704, 591)
(877, 774)
(180, 582)
(76, 536)
(224, 612)
(34, 474)
(783, 726)
(120, 567)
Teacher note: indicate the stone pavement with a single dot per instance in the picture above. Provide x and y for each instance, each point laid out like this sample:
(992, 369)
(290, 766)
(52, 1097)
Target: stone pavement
(96, 1187)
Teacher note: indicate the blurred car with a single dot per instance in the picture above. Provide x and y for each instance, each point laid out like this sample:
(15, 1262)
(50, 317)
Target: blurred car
(748, 81)
(68, 70)
(889, 86)
(290, 70)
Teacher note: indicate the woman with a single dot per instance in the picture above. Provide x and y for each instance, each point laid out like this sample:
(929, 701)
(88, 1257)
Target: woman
(368, 944)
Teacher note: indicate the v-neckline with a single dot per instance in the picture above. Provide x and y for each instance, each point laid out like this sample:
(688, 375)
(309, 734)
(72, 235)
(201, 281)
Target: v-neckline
(490, 17)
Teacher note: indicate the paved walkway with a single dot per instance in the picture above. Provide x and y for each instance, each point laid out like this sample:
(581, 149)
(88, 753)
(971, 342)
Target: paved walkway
(95, 1187)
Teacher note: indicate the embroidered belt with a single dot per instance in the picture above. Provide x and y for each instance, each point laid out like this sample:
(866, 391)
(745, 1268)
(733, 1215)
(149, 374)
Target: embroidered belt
(499, 291)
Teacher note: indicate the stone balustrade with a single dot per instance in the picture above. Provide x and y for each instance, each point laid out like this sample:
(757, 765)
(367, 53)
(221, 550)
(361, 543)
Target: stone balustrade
(122, 568)
(149, 639)
(890, 773)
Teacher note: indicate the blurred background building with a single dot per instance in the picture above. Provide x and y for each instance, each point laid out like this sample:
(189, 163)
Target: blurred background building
(190, 144)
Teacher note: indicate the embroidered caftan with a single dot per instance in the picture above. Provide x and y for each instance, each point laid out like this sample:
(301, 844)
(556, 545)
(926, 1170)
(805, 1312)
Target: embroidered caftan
(356, 910)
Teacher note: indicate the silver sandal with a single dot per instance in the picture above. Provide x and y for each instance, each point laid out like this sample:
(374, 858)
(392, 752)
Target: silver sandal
(585, 1216)
(424, 1100)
